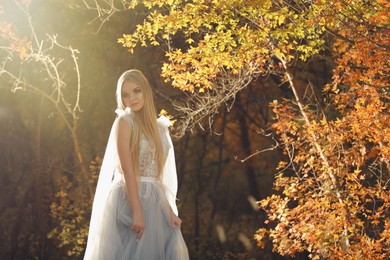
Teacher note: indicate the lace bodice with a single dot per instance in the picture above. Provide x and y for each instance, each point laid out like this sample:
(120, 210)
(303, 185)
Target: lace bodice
(148, 156)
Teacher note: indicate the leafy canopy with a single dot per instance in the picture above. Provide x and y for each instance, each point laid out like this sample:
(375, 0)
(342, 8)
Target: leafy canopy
(233, 35)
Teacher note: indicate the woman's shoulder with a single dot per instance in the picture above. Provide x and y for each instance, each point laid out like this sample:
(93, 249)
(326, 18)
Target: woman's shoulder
(163, 122)
(125, 115)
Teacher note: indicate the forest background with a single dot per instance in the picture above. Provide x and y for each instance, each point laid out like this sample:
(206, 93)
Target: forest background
(281, 121)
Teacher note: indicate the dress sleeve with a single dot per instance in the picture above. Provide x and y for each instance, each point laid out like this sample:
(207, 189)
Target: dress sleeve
(169, 170)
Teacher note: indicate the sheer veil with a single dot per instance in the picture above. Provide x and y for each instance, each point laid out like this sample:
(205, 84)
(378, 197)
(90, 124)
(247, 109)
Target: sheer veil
(108, 168)
(169, 171)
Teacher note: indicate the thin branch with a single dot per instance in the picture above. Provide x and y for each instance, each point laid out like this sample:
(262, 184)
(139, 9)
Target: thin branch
(260, 151)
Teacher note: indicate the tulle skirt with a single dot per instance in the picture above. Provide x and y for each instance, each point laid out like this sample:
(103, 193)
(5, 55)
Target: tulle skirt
(160, 240)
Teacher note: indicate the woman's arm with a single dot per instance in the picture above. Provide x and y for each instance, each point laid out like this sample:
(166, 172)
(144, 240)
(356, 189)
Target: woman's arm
(124, 154)
(175, 220)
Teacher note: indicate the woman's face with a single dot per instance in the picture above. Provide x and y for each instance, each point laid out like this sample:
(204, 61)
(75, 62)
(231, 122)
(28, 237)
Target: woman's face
(132, 96)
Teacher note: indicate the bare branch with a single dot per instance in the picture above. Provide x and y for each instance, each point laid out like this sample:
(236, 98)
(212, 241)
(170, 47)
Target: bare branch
(18, 55)
(104, 9)
(275, 146)
(198, 107)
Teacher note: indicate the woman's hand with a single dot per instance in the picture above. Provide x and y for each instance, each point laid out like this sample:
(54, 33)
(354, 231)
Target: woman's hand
(138, 225)
(175, 220)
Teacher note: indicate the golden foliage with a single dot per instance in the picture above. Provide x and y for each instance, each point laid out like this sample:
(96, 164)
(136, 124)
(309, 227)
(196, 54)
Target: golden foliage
(354, 137)
(230, 35)
(71, 211)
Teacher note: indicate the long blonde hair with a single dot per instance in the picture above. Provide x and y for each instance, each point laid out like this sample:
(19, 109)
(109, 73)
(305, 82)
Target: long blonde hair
(144, 120)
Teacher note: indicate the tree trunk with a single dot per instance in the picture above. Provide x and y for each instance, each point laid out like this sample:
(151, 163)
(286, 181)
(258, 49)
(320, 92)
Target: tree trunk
(198, 192)
(217, 176)
(246, 145)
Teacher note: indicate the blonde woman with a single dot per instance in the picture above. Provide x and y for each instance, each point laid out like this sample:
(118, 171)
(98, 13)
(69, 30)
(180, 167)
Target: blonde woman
(134, 213)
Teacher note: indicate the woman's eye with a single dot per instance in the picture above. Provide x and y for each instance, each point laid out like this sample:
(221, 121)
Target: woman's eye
(137, 90)
(124, 95)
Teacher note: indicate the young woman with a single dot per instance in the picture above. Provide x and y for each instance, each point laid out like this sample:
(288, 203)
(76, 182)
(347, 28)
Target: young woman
(134, 212)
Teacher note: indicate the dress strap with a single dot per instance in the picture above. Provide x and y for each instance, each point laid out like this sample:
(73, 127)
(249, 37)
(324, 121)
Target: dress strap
(148, 179)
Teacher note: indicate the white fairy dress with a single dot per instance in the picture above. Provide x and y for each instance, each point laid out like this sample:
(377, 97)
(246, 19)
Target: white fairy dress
(109, 235)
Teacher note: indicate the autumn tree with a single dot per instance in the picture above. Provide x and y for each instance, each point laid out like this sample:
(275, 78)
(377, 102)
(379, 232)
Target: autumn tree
(336, 202)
